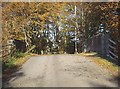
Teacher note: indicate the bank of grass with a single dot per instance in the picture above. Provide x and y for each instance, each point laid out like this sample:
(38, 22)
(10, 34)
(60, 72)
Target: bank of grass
(103, 62)
(16, 60)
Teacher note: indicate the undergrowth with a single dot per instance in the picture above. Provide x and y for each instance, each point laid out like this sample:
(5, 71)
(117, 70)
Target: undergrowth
(12, 61)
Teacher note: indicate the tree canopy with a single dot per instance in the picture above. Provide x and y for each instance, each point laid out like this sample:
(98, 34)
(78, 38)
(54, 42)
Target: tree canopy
(56, 26)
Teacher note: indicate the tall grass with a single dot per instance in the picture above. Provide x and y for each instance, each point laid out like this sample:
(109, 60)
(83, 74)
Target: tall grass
(10, 63)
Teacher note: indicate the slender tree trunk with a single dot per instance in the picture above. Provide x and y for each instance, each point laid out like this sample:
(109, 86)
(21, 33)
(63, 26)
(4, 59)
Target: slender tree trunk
(25, 38)
(76, 41)
(65, 41)
(118, 44)
(76, 28)
(85, 46)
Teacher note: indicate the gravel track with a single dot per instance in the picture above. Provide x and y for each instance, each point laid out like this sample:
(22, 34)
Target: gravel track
(61, 71)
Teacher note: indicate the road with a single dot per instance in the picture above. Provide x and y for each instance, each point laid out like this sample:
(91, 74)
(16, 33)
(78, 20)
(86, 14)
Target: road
(61, 71)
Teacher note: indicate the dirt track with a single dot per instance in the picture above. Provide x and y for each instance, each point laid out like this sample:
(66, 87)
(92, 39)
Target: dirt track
(61, 71)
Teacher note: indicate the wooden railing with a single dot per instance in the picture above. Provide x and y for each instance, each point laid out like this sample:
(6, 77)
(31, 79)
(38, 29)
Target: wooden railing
(113, 50)
(7, 51)
(30, 49)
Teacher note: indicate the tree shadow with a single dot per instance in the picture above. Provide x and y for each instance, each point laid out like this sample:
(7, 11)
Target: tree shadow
(0, 72)
(102, 86)
(11, 74)
(117, 78)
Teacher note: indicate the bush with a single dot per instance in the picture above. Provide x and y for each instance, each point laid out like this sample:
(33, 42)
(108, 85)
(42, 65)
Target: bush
(10, 63)
(18, 55)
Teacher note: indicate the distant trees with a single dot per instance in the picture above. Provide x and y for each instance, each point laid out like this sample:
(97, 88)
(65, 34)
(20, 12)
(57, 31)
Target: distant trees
(94, 16)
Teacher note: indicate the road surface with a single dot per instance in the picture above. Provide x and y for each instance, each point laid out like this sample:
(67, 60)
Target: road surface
(61, 71)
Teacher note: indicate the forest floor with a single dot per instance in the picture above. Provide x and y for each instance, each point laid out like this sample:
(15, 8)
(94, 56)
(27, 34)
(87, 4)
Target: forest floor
(61, 70)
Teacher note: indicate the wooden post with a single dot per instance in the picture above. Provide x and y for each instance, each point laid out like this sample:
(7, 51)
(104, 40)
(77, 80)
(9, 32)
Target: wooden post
(118, 44)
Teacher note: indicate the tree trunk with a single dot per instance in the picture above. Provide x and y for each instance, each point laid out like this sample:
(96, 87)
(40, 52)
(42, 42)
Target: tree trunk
(25, 37)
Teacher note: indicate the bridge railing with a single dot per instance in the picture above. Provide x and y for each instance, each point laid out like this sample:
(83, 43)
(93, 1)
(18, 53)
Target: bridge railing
(112, 50)
(7, 51)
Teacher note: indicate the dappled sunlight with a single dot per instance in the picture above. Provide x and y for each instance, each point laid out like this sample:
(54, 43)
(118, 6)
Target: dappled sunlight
(60, 44)
(89, 54)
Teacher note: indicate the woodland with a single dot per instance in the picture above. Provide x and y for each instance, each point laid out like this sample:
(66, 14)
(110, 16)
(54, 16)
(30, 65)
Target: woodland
(58, 27)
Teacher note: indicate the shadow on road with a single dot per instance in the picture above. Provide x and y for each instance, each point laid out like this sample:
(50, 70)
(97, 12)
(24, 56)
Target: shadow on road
(16, 72)
(11, 74)
(117, 78)
(0, 72)
(102, 86)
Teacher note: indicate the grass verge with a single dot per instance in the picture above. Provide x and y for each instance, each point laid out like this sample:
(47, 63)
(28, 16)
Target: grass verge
(14, 63)
(16, 60)
(112, 67)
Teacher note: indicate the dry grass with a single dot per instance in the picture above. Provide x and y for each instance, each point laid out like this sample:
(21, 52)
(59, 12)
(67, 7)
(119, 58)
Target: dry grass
(102, 62)
(22, 60)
